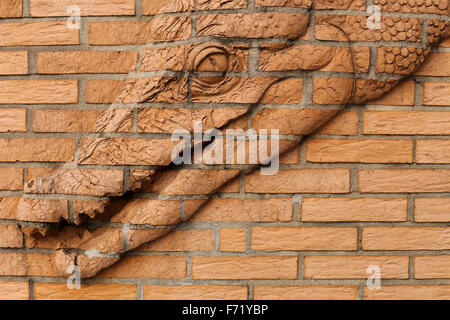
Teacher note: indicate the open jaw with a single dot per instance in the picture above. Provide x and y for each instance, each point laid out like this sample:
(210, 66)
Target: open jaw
(211, 70)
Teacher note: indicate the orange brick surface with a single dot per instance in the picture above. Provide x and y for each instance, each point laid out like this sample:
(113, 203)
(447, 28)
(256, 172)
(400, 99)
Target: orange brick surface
(87, 113)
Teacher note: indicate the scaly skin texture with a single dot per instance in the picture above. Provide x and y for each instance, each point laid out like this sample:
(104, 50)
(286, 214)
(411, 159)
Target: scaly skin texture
(76, 244)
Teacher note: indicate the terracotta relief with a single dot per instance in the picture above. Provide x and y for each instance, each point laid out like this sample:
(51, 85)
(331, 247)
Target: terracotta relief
(217, 64)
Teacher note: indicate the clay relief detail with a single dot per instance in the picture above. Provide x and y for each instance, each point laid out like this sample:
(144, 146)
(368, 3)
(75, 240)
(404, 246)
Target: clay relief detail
(213, 70)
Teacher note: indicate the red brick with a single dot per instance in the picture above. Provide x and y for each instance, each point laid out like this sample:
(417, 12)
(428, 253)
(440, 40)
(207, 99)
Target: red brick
(354, 209)
(13, 62)
(407, 122)
(404, 180)
(291, 26)
(433, 151)
(304, 238)
(228, 268)
(37, 210)
(133, 151)
(45, 33)
(300, 181)
(355, 267)
(436, 93)
(37, 150)
(10, 8)
(344, 123)
(410, 292)
(13, 120)
(59, 291)
(118, 91)
(432, 210)
(252, 210)
(232, 239)
(183, 240)
(363, 151)
(51, 120)
(158, 267)
(432, 267)
(38, 91)
(151, 7)
(436, 65)
(86, 62)
(195, 292)
(14, 291)
(10, 236)
(332, 90)
(74, 181)
(406, 238)
(57, 8)
(12, 178)
(401, 95)
(139, 32)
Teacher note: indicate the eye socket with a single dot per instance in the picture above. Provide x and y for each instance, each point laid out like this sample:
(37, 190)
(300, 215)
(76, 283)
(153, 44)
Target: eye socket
(215, 62)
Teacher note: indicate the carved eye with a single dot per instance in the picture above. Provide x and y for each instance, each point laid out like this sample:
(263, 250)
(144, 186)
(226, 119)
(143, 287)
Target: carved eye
(212, 57)
(215, 62)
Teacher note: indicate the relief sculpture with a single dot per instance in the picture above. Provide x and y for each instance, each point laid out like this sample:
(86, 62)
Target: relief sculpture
(212, 70)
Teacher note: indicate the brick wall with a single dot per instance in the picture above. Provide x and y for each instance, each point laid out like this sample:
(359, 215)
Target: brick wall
(370, 187)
